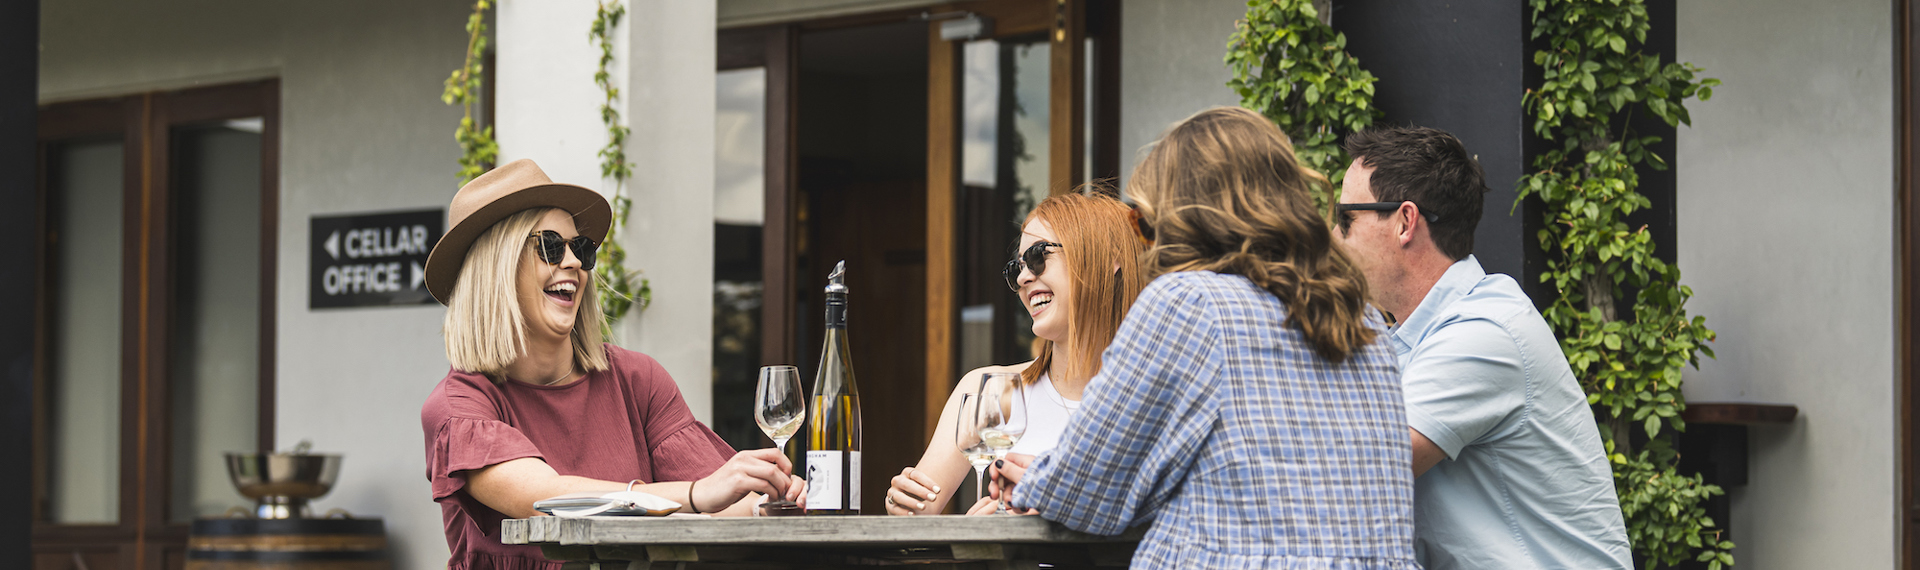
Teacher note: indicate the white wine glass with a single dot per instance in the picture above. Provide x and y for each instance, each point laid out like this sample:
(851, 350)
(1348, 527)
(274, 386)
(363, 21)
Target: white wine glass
(1002, 416)
(966, 438)
(780, 408)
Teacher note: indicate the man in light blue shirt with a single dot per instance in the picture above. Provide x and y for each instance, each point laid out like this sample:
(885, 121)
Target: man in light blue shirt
(1511, 470)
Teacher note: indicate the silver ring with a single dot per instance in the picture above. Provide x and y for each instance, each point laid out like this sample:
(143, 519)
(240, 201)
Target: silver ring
(890, 501)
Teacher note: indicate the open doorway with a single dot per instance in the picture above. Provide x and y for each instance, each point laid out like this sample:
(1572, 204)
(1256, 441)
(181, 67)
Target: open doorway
(862, 196)
(874, 139)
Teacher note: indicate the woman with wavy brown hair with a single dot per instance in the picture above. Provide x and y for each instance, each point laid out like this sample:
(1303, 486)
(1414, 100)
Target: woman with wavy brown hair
(1249, 405)
(1077, 272)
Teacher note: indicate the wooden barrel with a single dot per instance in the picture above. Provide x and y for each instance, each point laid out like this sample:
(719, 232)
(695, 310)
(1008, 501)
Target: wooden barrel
(288, 544)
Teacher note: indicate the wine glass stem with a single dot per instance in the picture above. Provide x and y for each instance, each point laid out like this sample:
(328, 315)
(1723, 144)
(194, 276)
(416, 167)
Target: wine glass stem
(979, 482)
(1000, 506)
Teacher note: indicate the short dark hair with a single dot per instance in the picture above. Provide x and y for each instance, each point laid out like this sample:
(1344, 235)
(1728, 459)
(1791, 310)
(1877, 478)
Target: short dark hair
(1433, 170)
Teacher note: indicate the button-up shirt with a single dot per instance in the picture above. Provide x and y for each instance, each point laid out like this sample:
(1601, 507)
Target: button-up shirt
(1526, 483)
(1217, 421)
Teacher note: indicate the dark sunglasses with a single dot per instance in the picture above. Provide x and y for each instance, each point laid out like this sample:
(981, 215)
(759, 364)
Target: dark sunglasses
(1346, 222)
(1141, 228)
(553, 248)
(1034, 259)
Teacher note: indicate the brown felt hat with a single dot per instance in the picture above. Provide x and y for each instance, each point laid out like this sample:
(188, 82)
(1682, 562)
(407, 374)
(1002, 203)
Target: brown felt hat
(502, 192)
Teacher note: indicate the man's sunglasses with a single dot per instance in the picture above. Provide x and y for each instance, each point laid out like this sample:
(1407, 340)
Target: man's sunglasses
(1346, 222)
(553, 248)
(1034, 259)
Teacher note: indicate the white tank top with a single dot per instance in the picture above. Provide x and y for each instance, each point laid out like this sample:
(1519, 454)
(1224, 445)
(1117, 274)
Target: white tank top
(1047, 414)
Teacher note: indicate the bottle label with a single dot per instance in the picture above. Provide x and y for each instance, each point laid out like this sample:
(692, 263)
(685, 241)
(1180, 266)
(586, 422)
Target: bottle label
(830, 483)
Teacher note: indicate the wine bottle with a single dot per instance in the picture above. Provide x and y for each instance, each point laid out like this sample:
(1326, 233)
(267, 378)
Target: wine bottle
(833, 432)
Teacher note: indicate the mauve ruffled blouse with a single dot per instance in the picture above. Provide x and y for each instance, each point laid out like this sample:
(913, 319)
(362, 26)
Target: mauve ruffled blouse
(627, 422)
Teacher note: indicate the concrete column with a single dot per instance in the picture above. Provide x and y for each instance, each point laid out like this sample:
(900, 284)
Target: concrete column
(670, 102)
(548, 110)
(547, 107)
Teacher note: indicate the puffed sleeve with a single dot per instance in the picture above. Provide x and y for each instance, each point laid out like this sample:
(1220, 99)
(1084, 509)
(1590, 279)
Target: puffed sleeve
(463, 433)
(691, 453)
(683, 448)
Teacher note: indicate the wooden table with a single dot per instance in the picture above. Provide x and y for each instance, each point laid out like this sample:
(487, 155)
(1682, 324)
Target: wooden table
(929, 542)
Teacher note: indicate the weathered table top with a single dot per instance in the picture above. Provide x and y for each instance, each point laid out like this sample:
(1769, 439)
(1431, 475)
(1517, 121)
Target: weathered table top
(805, 542)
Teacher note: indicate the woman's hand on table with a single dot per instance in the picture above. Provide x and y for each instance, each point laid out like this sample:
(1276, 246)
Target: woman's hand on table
(763, 471)
(986, 506)
(912, 490)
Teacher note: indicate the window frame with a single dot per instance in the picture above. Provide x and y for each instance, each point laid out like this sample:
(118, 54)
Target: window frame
(145, 124)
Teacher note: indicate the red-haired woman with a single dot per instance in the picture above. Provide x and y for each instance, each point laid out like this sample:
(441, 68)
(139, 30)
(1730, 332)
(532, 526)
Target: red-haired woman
(1077, 271)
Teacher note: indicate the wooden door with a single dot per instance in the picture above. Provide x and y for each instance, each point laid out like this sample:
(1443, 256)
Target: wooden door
(971, 223)
(124, 250)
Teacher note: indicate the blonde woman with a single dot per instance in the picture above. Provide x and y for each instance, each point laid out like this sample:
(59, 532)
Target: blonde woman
(1076, 271)
(1249, 406)
(536, 405)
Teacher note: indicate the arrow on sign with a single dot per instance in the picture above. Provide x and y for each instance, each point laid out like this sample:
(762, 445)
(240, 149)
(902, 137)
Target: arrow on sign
(333, 244)
(419, 275)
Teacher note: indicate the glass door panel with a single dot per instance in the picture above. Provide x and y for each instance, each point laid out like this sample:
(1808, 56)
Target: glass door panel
(1004, 162)
(82, 473)
(739, 209)
(213, 381)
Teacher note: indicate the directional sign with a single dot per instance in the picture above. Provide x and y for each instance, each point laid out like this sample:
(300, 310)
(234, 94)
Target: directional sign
(372, 260)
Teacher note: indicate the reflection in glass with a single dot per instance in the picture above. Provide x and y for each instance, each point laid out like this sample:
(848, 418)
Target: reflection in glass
(214, 355)
(1004, 169)
(739, 200)
(84, 187)
(1087, 115)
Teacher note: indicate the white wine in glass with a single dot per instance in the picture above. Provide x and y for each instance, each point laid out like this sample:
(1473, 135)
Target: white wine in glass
(966, 438)
(1002, 416)
(780, 409)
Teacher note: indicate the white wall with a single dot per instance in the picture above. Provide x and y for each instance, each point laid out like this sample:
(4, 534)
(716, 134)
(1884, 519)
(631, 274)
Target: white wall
(1786, 236)
(363, 129)
(1171, 67)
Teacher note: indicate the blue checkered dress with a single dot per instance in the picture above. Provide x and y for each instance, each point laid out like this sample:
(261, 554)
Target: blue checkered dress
(1219, 424)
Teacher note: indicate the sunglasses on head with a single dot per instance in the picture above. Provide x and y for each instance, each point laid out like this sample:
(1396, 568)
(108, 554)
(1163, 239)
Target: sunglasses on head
(1034, 259)
(1346, 222)
(553, 248)
(1141, 228)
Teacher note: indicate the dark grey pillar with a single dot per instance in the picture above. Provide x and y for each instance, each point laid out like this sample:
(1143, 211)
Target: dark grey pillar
(1462, 67)
(19, 64)
(1459, 67)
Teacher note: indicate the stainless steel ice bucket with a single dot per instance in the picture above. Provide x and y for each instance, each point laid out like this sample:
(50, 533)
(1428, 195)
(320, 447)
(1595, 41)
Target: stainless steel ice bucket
(282, 483)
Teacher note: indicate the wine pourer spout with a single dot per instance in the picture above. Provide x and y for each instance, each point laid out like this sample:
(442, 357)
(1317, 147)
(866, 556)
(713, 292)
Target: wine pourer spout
(836, 281)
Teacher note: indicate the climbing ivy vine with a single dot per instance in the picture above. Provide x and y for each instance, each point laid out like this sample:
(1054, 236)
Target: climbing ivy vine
(618, 290)
(1293, 68)
(477, 148)
(1629, 358)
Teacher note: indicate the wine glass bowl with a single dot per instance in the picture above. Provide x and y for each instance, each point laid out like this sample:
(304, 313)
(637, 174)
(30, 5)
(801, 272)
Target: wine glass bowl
(1002, 415)
(966, 438)
(780, 408)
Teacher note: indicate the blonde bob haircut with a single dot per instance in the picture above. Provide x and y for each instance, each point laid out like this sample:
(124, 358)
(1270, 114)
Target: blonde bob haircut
(485, 329)
(1223, 192)
(1100, 251)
